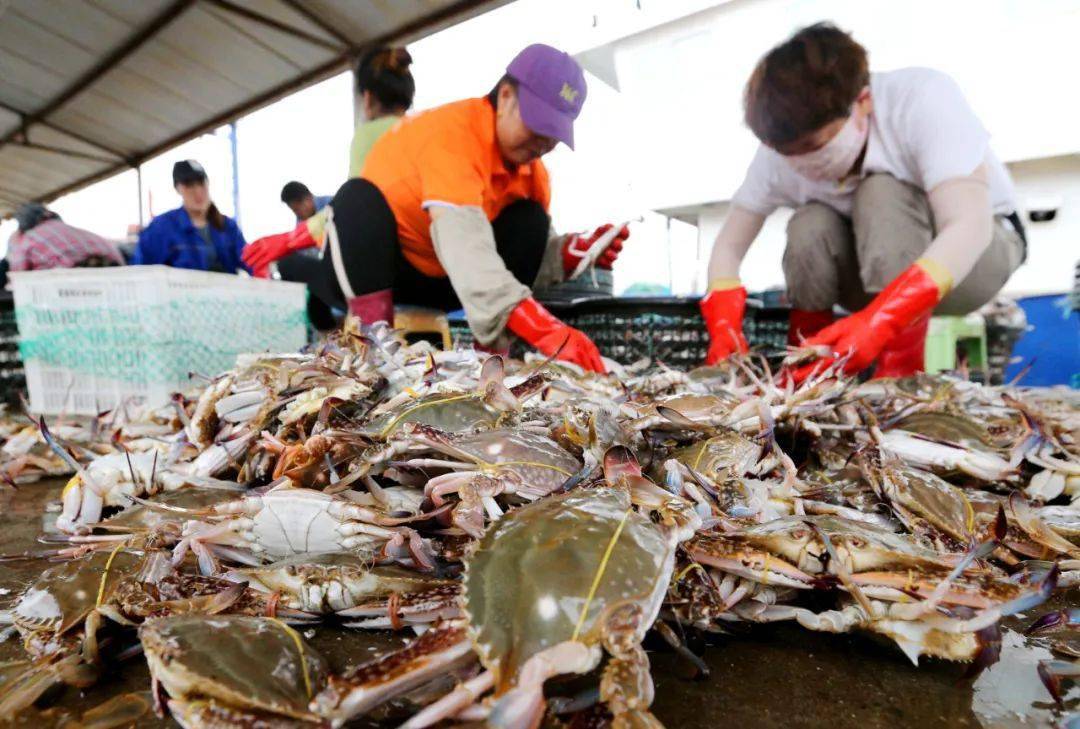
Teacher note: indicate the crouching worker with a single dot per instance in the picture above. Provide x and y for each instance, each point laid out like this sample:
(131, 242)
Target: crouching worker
(451, 210)
(901, 207)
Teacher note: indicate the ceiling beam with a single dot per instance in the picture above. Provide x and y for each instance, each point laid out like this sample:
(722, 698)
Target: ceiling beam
(316, 19)
(277, 25)
(62, 130)
(62, 150)
(106, 64)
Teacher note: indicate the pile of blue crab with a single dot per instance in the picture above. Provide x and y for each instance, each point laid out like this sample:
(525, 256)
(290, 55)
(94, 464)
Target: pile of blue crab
(523, 520)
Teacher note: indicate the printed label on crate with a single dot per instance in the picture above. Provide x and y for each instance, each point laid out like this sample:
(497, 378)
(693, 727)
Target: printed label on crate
(157, 343)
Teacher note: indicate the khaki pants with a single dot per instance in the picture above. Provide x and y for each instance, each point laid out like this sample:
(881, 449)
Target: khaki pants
(831, 259)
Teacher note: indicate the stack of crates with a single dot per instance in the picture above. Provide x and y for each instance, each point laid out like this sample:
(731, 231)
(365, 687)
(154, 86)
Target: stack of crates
(663, 329)
(91, 339)
(12, 374)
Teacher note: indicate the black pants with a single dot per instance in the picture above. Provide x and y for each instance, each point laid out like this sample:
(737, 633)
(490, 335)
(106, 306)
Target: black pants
(373, 261)
(304, 266)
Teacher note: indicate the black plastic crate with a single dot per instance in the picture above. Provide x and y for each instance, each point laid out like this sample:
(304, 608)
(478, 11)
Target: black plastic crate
(12, 374)
(665, 329)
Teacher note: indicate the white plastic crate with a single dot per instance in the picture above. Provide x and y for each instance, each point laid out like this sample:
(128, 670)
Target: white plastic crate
(94, 338)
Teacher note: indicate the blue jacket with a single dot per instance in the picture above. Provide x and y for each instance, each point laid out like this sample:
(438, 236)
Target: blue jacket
(172, 240)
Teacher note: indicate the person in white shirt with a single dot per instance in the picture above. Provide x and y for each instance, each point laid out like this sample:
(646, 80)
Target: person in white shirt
(901, 207)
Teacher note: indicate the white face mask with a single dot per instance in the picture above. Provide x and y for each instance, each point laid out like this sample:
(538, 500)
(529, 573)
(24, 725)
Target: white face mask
(834, 160)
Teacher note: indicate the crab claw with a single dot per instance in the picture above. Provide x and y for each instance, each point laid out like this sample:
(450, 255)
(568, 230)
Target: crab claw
(496, 394)
(1036, 597)
(58, 449)
(1053, 620)
(674, 417)
(620, 462)
(573, 481)
(989, 651)
(1001, 524)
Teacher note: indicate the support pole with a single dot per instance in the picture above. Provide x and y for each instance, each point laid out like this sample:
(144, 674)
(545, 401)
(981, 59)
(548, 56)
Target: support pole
(233, 147)
(357, 100)
(138, 182)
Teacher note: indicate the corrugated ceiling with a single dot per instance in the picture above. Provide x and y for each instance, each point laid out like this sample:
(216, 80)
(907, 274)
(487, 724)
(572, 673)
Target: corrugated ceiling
(89, 88)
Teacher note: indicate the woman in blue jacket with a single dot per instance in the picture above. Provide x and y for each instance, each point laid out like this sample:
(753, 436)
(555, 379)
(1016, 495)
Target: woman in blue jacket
(195, 235)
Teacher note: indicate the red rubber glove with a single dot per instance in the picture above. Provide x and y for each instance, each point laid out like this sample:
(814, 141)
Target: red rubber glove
(537, 326)
(723, 311)
(259, 254)
(912, 294)
(577, 245)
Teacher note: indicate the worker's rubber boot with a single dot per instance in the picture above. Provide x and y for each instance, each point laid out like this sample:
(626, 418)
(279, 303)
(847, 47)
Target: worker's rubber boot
(373, 307)
(906, 353)
(805, 324)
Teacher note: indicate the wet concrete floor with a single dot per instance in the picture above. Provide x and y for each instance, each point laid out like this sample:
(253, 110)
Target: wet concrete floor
(771, 676)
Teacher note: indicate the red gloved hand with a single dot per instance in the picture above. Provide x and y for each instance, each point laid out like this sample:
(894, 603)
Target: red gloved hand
(723, 311)
(536, 325)
(577, 246)
(912, 294)
(262, 252)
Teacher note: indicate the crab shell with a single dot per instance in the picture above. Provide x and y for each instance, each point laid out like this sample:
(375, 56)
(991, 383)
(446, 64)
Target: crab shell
(64, 595)
(326, 583)
(287, 521)
(727, 452)
(914, 492)
(788, 547)
(139, 517)
(962, 430)
(537, 460)
(453, 413)
(546, 573)
(246, 663)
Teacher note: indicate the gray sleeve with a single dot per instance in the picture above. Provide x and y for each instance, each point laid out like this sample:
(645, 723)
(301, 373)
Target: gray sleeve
(551, 266)
(465, 245)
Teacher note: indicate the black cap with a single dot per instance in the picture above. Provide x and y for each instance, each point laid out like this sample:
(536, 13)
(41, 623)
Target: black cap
(187, 171)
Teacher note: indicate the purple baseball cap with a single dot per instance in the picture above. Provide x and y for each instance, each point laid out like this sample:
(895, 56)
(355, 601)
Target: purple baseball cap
(551, 91)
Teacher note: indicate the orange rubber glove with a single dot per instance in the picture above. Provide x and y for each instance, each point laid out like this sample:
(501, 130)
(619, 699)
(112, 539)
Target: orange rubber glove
(723, 308)
(577, 245)
(259, 254)
(537, 326)
(912, 294)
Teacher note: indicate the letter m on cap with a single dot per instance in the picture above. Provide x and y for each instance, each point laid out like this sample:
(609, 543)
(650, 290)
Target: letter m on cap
(569, 93)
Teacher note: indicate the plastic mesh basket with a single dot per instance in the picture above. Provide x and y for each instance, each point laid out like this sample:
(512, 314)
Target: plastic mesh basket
(92, 338)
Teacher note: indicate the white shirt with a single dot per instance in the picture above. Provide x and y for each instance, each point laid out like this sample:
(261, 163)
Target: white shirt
(922, 131)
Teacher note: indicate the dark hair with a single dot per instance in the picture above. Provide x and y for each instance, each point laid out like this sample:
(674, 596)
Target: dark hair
(294, 192)
(215, 217)
(30, 215)
(804, 83)
(493, 95)
(385, 73)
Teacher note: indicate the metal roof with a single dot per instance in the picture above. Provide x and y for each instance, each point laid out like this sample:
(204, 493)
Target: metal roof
(89, 88)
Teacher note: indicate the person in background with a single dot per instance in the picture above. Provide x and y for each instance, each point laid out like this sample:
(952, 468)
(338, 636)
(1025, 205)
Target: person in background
(43, 241)
(386, 88)
(901, 207)
(451, 210)
(196, 235)
(300, 200)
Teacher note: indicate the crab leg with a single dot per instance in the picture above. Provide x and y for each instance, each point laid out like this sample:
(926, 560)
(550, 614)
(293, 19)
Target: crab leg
(431, 463)
(523, 706)
(433, 654)
(453, 703)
